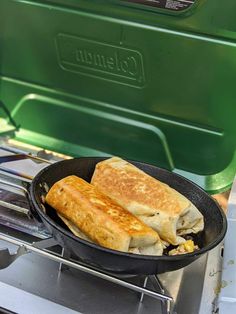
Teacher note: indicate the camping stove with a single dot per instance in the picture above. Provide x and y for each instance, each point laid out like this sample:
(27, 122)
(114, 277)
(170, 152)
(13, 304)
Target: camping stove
(38, 276)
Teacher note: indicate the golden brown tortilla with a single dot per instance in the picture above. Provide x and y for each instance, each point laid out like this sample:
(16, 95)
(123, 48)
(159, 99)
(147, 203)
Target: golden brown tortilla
(154, 202)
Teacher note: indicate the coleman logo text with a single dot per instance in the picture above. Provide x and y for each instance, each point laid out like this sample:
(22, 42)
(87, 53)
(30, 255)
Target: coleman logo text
(114, 63)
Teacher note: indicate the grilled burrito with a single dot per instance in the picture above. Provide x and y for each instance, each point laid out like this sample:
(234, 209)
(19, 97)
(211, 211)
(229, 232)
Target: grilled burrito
(159, 206)
(85, 209)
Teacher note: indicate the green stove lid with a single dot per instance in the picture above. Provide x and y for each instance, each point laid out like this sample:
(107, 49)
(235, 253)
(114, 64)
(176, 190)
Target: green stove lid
(121, 78)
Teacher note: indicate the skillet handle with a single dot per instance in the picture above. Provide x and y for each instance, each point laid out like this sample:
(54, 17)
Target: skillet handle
(25, 188)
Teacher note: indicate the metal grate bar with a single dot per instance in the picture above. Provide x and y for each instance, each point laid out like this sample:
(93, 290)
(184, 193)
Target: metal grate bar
(52, 256)
(15, 208)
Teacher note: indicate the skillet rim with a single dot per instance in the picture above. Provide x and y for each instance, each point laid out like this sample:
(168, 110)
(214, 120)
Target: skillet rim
(167, 258)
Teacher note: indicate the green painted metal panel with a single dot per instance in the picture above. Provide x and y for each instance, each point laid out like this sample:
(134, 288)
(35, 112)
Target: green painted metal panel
(120, 78)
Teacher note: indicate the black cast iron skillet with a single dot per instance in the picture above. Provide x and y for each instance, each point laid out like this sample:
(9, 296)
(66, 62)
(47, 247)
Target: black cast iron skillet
(115, 261)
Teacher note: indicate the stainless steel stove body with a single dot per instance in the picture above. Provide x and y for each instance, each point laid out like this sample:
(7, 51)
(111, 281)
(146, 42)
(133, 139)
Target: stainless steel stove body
(36, 282)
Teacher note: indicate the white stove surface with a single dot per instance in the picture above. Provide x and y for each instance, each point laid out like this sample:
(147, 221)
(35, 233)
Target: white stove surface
(227, 297)
(19, 301)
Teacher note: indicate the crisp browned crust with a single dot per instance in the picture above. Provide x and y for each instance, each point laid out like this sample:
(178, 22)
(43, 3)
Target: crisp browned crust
(101, 219)
(136, 191)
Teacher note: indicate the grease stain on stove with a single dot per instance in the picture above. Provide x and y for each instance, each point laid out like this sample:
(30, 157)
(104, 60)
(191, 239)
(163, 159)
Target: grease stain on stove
(220, 286)
(214, 272)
